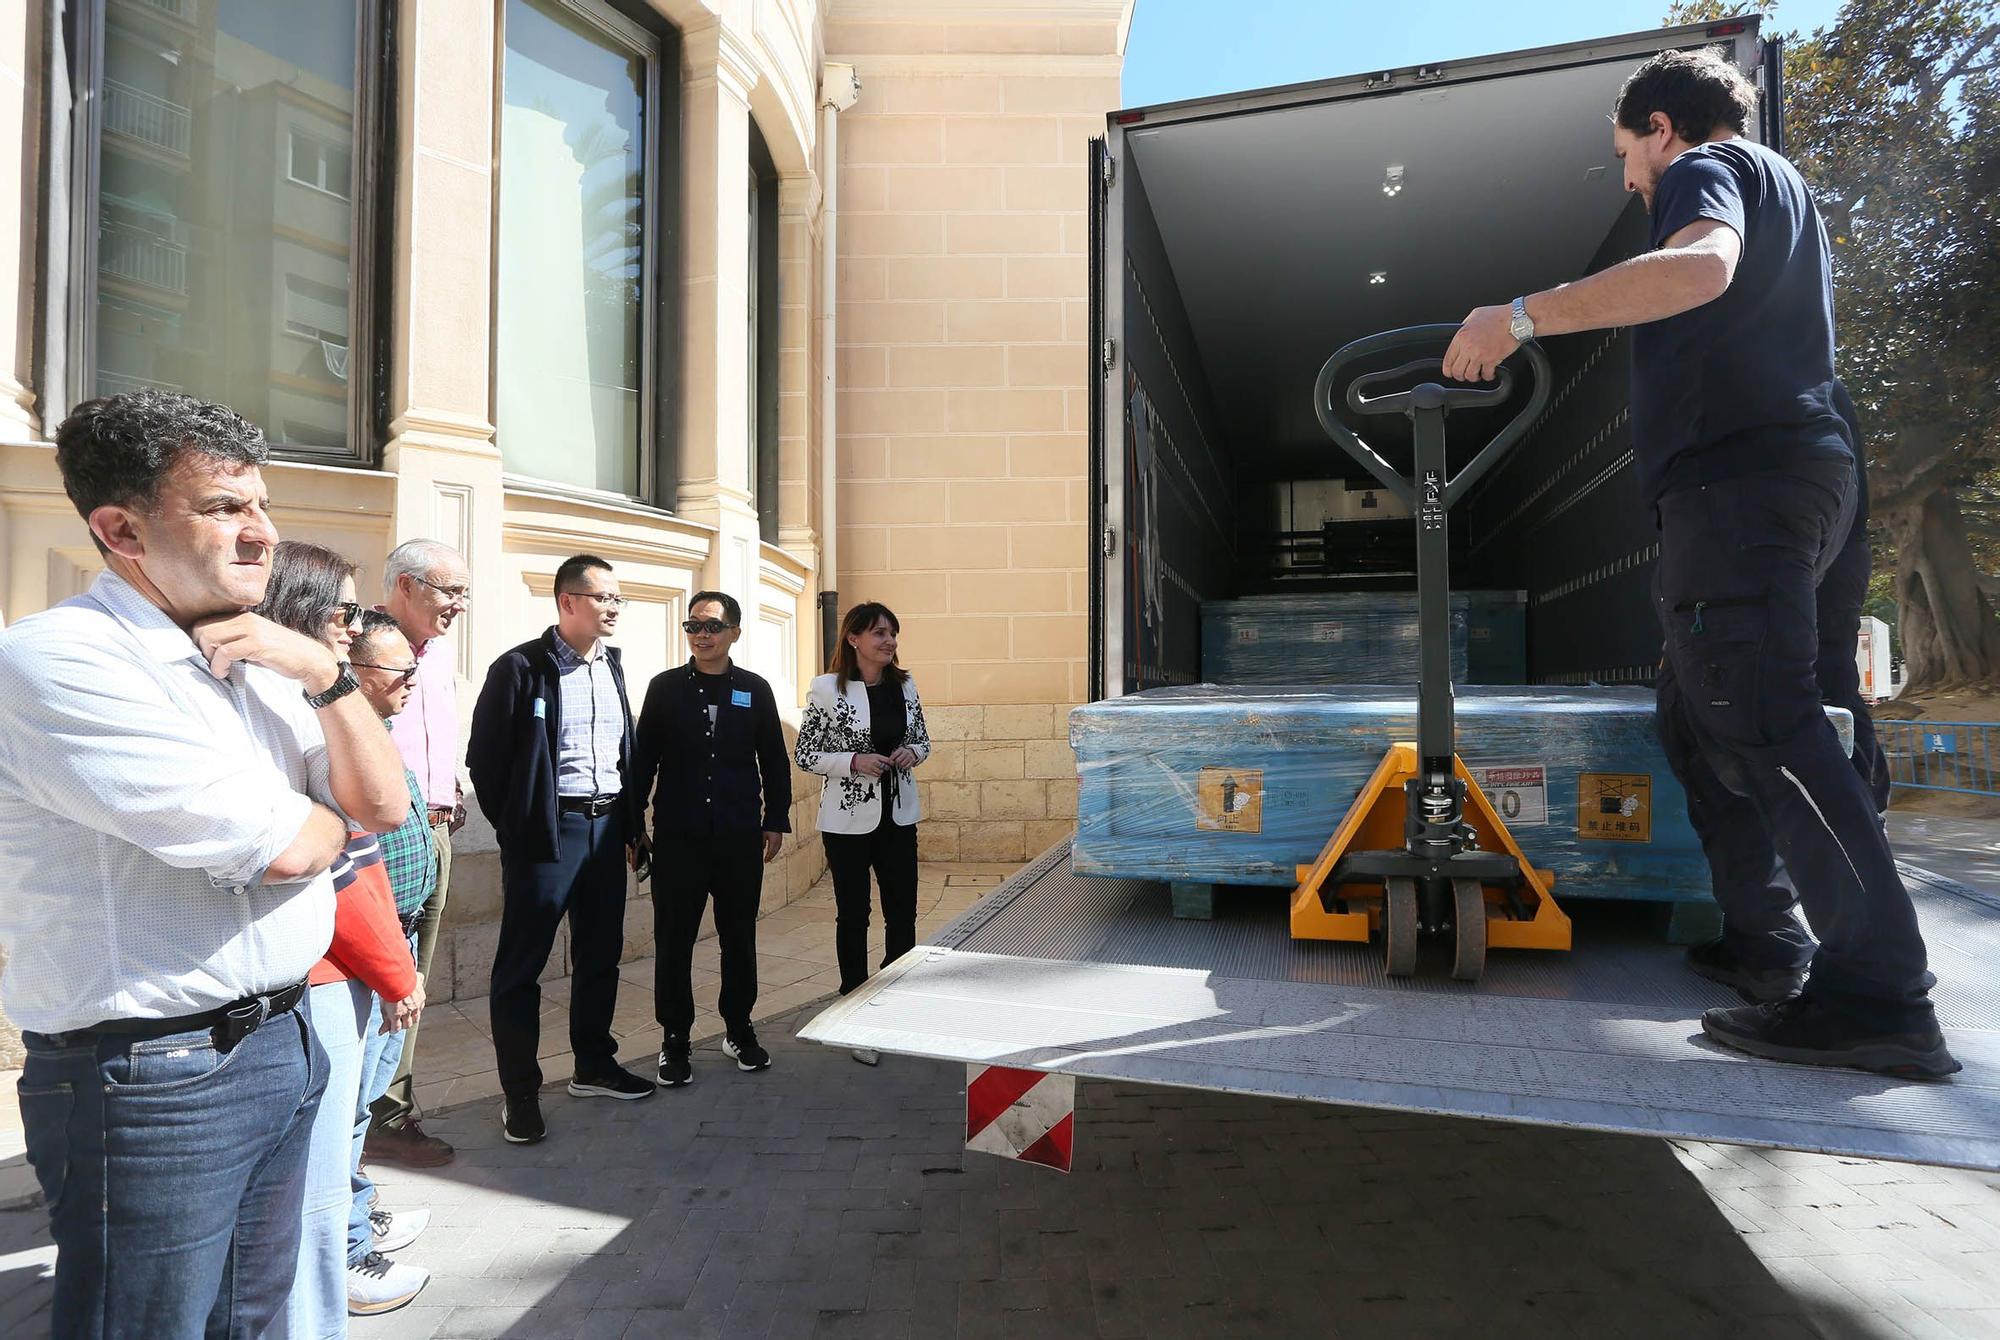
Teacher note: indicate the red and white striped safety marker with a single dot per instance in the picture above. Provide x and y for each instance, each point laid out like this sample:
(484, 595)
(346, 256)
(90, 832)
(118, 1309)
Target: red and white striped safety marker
(1028, 1115)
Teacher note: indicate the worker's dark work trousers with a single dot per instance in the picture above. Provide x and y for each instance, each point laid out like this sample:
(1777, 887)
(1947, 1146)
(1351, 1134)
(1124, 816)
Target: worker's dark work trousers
(891, 852)
(586, 884)
(1782, 814)
(689, 871)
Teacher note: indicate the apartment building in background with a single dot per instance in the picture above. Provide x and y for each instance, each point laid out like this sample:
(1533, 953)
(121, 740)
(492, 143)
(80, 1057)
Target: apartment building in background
(648, 278)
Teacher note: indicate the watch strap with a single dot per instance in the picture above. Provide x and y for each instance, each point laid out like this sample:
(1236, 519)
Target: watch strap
(344, 684)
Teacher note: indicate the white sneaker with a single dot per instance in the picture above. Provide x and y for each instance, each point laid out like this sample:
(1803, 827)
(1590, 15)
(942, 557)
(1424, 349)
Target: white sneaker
(381, 1285)
(394, 1230)
(867, 1056)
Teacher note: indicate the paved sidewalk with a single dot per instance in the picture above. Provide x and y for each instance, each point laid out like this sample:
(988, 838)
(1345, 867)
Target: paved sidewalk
(825, 1198)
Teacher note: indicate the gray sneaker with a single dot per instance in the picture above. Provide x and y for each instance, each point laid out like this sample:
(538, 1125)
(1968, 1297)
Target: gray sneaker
(381, 1285)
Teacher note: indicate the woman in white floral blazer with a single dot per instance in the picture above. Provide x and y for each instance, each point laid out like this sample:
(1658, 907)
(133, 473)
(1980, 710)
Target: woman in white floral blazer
(864, 732)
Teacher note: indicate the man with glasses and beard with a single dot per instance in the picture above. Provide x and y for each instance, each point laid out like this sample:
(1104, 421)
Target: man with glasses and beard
(709, 731)
(551, 745)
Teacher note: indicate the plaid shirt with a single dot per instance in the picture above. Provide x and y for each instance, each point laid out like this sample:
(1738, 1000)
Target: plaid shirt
(409, 855)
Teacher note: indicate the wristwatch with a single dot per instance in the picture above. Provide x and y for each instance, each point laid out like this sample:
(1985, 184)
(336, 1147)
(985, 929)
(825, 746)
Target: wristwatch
(335, 691)
(1522, 327)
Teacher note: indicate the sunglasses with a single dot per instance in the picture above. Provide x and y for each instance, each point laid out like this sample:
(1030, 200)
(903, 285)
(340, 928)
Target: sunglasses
(709, 626)
(349, 612)
(406, 673)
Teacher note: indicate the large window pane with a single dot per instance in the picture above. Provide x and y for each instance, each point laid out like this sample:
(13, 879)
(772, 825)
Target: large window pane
(571, 265)
(225, 214)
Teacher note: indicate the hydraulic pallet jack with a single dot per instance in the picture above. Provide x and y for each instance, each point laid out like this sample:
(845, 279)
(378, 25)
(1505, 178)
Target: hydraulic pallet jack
(1421, 852)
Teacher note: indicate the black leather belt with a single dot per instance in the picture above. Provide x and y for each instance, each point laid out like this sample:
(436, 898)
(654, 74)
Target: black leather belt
(588, 805)
(230, 1024)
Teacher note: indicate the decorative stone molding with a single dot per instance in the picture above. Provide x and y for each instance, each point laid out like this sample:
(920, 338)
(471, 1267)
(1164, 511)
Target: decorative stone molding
(717, 53)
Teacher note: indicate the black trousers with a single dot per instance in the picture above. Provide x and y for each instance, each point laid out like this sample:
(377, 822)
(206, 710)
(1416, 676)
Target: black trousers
(728, 868)
(891, 853)
(1783, 817)
(587, 885)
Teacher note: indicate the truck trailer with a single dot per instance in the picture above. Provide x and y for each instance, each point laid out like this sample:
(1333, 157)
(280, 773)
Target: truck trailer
(1237, 241)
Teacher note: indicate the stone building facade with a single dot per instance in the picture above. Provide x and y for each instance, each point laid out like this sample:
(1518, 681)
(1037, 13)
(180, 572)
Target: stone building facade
(646, 278)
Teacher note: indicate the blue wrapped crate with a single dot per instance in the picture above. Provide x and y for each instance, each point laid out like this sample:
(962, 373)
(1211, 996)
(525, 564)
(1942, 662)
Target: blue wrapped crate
(1358, 637)
(1211, 784)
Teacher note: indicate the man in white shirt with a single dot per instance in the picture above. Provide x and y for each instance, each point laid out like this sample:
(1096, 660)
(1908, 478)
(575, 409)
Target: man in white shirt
(170, 768)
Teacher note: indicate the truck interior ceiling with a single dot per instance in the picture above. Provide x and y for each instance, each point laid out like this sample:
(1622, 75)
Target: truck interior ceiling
(1258, 240)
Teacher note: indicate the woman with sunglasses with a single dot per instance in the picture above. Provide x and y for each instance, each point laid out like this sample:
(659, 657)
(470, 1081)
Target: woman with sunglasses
(312, 591)
(864, 732)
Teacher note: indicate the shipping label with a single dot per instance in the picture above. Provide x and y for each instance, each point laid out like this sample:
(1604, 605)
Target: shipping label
(1518, 792)
(1230, 800)
(1614, 806)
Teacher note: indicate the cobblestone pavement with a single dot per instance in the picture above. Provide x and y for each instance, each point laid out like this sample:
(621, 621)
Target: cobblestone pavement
(825, 1198)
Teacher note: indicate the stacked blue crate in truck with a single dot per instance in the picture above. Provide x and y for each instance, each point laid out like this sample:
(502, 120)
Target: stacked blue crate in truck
(1358, 637)
(1562, 518)
(1174, 528)
(1243, 784)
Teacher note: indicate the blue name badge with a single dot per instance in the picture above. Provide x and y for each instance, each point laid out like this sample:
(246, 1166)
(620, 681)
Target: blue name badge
(541, 709)
(739, 697)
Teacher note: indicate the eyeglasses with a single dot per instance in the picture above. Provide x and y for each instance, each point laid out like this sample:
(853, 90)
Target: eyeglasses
(604, 599)
(462, 593)
(349, 612)
(406, 673)
(709, 626)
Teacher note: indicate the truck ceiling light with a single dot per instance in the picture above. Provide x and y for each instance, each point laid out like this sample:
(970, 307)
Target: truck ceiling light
(1392, 180)
(1378, 276)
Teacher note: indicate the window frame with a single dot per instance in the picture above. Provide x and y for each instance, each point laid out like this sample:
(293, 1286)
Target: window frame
(765, 314)
(658, 43)
(73, 207)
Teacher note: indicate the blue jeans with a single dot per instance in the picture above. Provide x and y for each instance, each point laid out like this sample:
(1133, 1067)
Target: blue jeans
(381, 1055)
(173, 1175)
(317, 1309)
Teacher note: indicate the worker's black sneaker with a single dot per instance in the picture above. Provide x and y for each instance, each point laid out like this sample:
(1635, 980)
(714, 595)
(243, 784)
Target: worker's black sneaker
(612, 1082)
(1759, 986)
(521, 1120)
(675, 1067)
(1805, 1030)
(741, 1047)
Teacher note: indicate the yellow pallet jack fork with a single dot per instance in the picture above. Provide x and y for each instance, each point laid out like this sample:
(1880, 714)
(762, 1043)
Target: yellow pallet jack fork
(1421, 852)
(1520, 915)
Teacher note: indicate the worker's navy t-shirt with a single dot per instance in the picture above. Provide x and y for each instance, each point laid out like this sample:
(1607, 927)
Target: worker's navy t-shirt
(1743, 384)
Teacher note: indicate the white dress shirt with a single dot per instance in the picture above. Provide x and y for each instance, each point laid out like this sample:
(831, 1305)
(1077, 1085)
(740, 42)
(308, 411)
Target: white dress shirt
(140, 801)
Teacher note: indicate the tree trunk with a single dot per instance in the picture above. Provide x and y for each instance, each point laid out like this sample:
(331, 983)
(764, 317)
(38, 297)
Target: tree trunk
(1949, 634)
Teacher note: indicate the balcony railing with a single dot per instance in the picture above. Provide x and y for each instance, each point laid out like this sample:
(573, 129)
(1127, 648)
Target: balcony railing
(141, 116)
(117, 383)
(142, 258)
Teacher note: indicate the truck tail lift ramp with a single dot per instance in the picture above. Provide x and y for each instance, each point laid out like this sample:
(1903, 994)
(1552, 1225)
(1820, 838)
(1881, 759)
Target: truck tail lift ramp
(1095, 977)
(1421, 852)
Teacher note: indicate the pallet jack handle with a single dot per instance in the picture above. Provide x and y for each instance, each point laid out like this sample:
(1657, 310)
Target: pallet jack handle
(1430, 395)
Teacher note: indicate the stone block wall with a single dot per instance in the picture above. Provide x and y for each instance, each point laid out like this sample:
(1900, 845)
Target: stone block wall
(963, 408)
(1000, 784)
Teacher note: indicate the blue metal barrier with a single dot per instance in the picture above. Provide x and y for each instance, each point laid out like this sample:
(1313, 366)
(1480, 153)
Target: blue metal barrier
(1943, 755)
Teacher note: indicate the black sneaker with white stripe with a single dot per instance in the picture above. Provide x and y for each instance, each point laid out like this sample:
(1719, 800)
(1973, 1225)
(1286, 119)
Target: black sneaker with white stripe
(616, 1082)
(741, 1047)
(676, 1067)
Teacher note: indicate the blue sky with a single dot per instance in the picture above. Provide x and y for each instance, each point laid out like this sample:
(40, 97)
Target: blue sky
(1193, 48)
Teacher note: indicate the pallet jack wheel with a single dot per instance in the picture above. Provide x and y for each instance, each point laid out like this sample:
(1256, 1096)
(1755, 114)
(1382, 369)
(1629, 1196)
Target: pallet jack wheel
(1399, 925)
(1468, 919)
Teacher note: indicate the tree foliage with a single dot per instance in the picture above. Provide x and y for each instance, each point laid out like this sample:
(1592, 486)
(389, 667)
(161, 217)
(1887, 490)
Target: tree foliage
(1891, 115)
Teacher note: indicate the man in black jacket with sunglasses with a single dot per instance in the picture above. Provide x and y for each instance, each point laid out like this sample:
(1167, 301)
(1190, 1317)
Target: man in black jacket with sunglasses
(709, 733)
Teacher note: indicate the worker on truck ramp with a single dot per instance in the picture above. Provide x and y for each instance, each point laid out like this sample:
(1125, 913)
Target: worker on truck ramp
(1742, 456)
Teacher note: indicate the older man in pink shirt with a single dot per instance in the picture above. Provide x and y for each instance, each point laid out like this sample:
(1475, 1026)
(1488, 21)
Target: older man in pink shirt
(426, 587)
